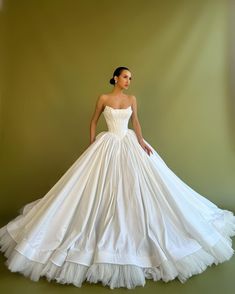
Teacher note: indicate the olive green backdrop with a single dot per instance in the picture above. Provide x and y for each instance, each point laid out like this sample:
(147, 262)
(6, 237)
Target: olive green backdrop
(57, 57)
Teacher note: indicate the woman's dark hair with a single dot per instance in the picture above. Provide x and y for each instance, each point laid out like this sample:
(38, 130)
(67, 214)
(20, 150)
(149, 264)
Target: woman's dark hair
(117, 72)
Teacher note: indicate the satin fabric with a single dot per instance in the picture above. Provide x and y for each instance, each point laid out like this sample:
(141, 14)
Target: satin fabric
(118, 206)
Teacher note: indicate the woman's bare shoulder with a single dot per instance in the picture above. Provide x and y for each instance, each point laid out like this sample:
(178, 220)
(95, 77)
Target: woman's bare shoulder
(102, 97)
(132, 99)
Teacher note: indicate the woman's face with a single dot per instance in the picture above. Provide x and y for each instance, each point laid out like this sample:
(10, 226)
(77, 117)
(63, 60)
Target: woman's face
(124, 79)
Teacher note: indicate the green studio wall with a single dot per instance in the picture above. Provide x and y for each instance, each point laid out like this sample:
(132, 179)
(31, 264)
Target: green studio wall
(57, 57)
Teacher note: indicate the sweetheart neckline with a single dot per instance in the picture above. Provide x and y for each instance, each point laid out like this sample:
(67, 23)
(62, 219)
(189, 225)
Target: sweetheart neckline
(117, 108)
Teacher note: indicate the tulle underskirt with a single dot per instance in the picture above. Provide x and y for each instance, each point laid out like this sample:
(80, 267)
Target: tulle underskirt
(120, 275)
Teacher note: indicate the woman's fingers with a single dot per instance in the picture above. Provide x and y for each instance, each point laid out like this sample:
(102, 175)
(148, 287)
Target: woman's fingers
(148, 149)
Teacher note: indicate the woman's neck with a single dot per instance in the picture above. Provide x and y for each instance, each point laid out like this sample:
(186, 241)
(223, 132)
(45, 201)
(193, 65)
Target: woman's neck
(117, 92)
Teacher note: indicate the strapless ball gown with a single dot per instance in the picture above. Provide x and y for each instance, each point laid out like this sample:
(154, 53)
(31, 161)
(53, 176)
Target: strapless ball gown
(118, 217)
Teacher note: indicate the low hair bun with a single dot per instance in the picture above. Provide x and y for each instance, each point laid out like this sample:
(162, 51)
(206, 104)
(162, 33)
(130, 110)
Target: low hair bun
(112, 81)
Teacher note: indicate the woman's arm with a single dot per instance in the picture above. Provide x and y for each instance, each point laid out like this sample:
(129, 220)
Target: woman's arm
(137, 127)
(95, 117)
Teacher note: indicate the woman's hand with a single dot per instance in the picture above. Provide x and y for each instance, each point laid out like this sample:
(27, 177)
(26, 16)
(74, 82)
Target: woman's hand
(145, 147)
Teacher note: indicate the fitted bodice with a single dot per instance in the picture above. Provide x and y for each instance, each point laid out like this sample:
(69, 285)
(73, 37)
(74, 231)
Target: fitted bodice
(117, 119)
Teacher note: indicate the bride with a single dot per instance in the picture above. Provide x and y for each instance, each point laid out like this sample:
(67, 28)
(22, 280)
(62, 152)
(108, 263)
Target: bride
(118, 215)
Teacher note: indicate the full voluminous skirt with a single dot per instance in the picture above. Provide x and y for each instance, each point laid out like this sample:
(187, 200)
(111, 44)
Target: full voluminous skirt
(118, 216)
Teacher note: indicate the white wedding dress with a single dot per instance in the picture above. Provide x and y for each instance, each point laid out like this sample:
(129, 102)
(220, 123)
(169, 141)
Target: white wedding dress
(118, 216)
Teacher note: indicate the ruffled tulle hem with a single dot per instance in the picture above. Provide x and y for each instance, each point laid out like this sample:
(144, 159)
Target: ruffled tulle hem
(120, 275)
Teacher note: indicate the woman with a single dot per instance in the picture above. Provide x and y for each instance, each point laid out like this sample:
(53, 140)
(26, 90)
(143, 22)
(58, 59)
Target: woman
(116, 99)
(118, 215)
